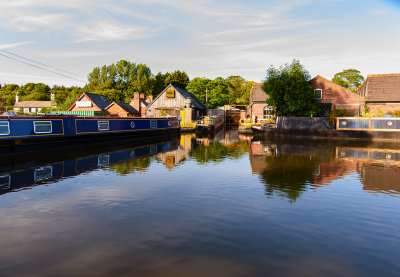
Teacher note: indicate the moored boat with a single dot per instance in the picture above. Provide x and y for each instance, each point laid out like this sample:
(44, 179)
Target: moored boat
(209, 124)
(47, 129)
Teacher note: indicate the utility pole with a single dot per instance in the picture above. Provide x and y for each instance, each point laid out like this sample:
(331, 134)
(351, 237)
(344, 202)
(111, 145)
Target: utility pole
(206, 97)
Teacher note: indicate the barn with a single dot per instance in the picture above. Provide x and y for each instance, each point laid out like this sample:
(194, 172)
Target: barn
(176, 101)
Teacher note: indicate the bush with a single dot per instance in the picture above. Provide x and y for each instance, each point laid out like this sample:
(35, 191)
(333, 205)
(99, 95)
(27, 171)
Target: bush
(338, 113)
(395, 113)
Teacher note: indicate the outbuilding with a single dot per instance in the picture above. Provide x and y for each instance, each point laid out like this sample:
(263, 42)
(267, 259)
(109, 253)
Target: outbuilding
(176, 101)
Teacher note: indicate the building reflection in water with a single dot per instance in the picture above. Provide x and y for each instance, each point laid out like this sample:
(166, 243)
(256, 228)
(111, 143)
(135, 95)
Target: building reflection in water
(379, 169)
(288, 168)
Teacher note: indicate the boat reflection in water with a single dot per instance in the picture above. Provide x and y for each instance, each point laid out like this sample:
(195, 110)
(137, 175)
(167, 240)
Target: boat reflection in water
(122, 161)
(289, 168)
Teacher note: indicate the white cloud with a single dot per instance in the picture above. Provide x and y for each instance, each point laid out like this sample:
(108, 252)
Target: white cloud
(104, 31)
(15, 44)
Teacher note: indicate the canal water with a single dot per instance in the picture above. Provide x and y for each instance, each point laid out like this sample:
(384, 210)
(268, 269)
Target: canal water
(228, 205)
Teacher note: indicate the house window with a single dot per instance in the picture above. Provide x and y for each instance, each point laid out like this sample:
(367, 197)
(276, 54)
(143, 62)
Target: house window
(42, 127)
(4, 128)
(268, 112)
(103, 125)
(318, 93)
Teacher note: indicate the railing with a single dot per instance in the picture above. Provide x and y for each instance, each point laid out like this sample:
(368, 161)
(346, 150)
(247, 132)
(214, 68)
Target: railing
(368, 124)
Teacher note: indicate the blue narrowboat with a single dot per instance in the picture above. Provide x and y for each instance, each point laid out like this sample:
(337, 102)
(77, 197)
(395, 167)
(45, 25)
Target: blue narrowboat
(39, 130)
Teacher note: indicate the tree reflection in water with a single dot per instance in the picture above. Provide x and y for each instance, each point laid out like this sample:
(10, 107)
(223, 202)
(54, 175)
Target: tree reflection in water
(289, 175)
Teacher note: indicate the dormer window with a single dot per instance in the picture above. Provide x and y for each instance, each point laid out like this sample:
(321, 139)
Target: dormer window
(318, 93)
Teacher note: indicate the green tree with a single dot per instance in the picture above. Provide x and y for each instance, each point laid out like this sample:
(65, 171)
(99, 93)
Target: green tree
(159, 83)
(290, 91)
(239, 90)
(218, 94)
(349, 78)
(177, 78)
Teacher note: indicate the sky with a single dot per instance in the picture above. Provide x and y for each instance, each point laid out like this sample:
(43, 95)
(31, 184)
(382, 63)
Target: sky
(204, 38)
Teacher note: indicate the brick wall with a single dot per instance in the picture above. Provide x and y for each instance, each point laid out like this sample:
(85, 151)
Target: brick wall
(95, 108)
(383, 107)
(116, 110)
(338, 96)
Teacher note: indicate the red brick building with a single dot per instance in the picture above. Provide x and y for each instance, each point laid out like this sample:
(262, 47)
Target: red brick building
(90, 102)
(381, 91)
(122, 110)
(337, 97)
(257, 105)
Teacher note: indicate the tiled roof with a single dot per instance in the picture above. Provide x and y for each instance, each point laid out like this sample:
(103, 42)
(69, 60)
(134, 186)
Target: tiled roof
(257, 94)
(33, 104)
(99, 100)
(381, 88)
(126, 107)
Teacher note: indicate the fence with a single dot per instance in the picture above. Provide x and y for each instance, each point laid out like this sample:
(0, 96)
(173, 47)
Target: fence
(368, 124)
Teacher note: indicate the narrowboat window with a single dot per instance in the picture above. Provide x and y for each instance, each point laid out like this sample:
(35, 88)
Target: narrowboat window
(132, 124)
(5, 181)
(103, 160)
(103, 125)
(4, 128)
(153, 123)
(43, 173)
(42, 127)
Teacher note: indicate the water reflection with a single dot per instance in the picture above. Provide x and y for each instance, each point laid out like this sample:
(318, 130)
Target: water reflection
(123, 162)
(192, 206)
(289, 168)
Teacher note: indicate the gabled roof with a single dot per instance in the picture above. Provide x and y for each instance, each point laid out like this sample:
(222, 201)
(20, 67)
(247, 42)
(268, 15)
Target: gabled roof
(195, 101)
(126, 107)
(382, 87)
(257, 94)
(334, 92)
(98, 100)
(33, 104)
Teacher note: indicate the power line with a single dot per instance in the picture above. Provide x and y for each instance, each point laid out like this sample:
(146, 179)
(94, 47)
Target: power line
(42, 63)
(42, 68)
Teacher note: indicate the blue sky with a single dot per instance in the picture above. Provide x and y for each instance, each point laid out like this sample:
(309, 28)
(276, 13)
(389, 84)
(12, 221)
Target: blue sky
(204, 38)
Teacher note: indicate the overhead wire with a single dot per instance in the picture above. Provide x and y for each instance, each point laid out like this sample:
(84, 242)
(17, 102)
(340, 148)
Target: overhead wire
(51, 71)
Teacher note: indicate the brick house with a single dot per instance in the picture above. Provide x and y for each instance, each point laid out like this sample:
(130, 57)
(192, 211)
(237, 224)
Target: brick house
(90, 102)
(122, 110)
(381, 91)
(258, 107)
(333, 96)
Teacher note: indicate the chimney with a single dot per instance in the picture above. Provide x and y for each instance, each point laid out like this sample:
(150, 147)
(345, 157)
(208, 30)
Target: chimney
(52, 98)
(142, 96)
(16, 98)
(135, 103)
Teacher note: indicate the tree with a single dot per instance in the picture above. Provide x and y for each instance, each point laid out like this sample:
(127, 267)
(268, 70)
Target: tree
(349, 78)
(159, 83)
(218, 94)
(177, 78)
(290, 91)
(239, 90)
